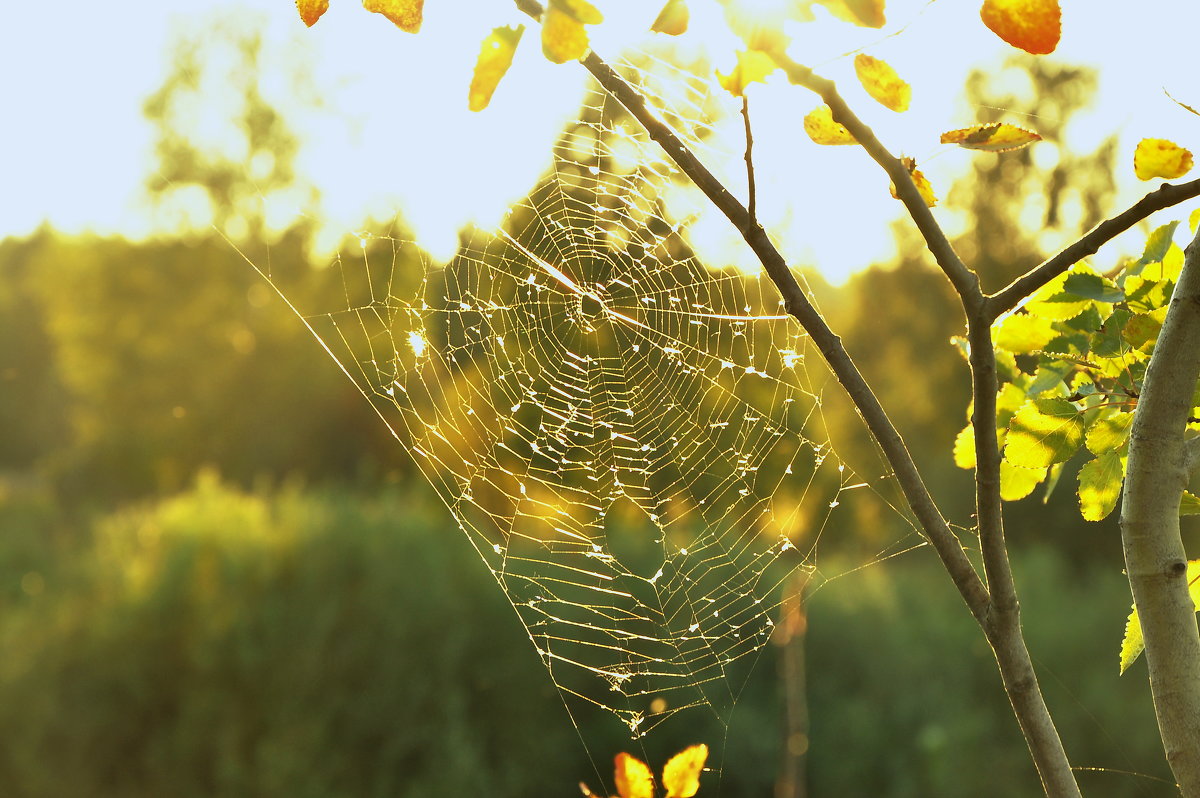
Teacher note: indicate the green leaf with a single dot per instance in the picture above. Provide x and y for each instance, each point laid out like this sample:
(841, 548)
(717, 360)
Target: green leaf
(1043, 432)
(1048, 377)
(1100, 486)
(1109, 432)
(1157, 246)
(1133, 643)
(1052, 302)
(1016, 482)
(1052, 481)
(1141, 329)
(1189, 504)
(1021, 333)
(1093, 286)
(1087, 321)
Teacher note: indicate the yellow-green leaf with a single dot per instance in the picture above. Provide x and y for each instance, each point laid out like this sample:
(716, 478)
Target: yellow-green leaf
(964, 448)
(1052, 302)
(1034, 26)
(1043, 432)
(1189, 504)
(1133, 643)
(1022, 333)
(821, 128)
(681, 774)
(1100, 486)
(1109, 432)
(495, 57)
(1160, 158)
(404, 14)
(994, 137)
(752, 65)
(633, 777)
(882, 82)
(1016, 482)
(673, 19)
(311, 10)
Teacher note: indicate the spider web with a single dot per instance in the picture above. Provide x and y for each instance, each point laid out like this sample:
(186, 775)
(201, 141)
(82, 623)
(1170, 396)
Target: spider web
(633, 440)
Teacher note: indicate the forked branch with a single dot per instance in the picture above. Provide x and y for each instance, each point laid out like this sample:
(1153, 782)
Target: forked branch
(965, 281)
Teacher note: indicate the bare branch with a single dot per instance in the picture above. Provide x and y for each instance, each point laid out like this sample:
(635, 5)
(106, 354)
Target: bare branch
(965, 281)
(1162, 197)
(749, 160)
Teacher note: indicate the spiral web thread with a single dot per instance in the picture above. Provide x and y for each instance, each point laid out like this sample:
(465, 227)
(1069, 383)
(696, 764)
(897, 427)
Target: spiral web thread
(632, 440)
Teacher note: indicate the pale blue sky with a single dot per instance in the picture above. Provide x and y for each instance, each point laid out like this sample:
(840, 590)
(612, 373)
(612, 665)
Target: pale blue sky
(394, 133)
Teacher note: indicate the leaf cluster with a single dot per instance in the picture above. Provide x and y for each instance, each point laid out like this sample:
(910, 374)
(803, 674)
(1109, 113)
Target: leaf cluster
(1071, 362)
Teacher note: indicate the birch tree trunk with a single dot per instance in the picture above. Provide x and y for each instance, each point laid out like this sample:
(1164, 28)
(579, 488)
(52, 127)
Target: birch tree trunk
(1155, 560)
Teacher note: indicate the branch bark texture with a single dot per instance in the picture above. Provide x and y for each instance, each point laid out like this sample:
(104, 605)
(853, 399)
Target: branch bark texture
(1157, 473)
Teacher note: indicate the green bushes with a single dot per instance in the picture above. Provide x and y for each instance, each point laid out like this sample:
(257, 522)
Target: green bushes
(310, 645)
(220, 643)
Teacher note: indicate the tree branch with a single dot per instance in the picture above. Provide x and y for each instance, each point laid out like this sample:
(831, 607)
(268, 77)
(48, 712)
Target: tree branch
(1192, 453)
(965, 281)
(1016, 668)
(796, 304)
(749, 160)
(1155, 558)
(1162, 197)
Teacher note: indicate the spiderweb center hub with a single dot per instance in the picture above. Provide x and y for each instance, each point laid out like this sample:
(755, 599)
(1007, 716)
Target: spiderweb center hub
(590, 308)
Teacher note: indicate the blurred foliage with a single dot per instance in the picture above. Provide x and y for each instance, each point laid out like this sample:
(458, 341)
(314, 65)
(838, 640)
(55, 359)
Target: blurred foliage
(226, 643)
(329, 643)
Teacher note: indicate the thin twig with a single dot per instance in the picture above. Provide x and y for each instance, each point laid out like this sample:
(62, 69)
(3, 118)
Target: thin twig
(1162, 197)
(749, 160)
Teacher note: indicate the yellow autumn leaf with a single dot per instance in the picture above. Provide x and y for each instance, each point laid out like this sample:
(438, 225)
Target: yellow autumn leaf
(994, 137)
(495, 57)
(581, 10)
(924, 187)
(672, 20)
(1160, 158)
(404, 14)
(882, 82)
(866, 13)
(752, 65)
(311, 10)
(633, 777)
(1034, 26)
(1194, 220)
(681, 774)
(821, 128)
(563, 35)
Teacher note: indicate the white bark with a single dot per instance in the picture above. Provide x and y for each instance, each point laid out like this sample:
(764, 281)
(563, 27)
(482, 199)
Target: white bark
(1158, 470)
